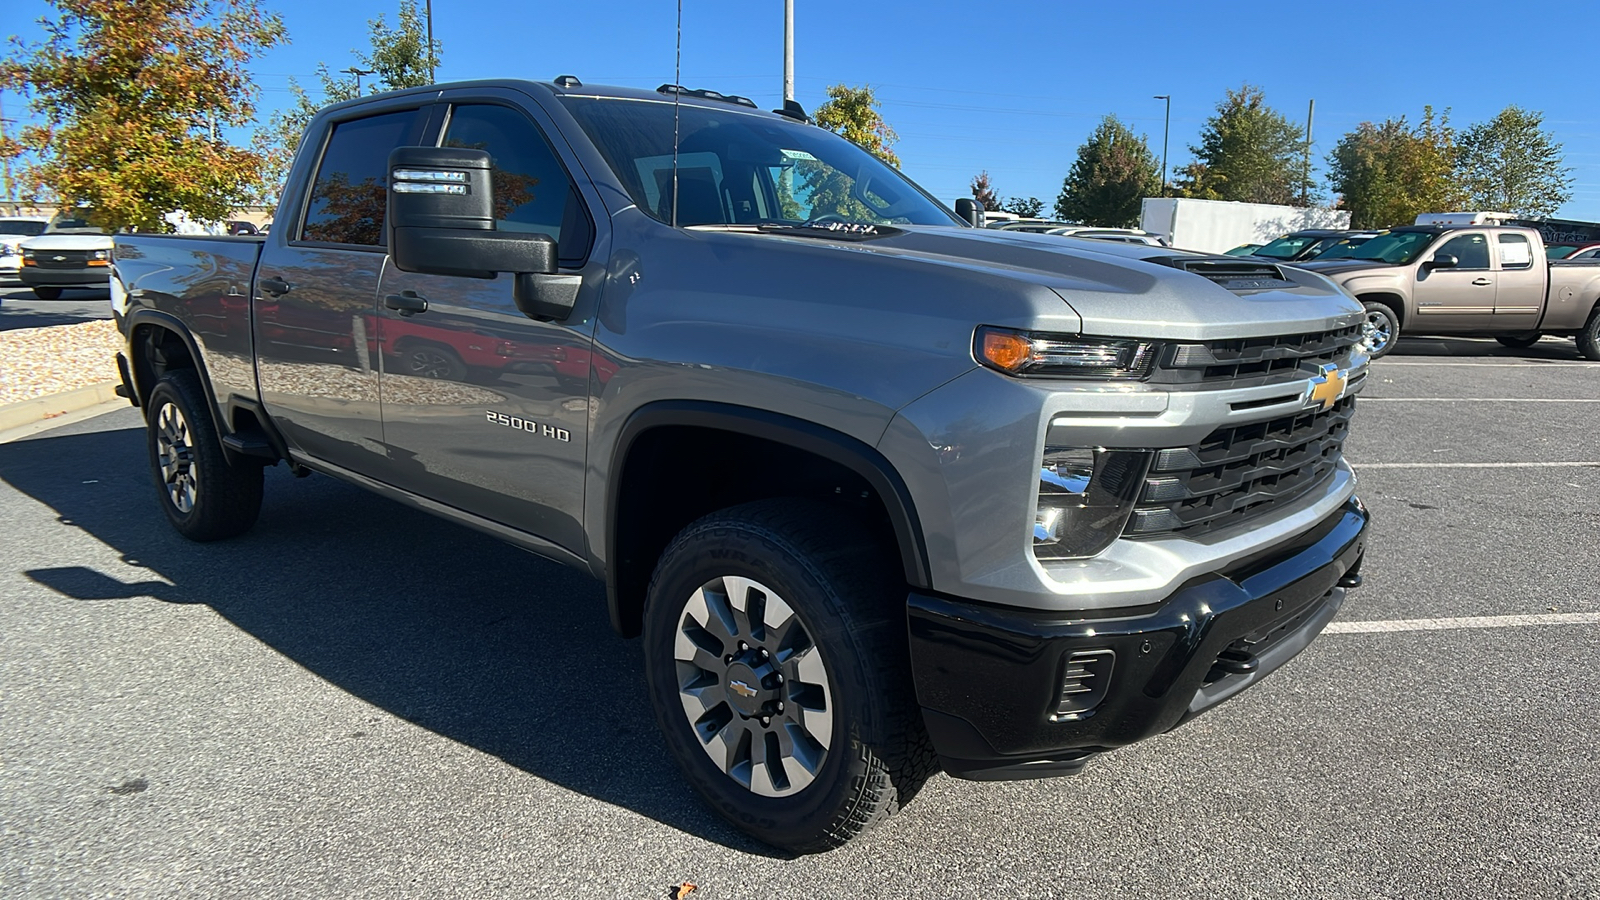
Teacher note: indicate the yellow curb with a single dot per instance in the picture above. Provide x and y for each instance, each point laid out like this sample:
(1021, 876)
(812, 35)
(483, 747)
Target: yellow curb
(27, 412)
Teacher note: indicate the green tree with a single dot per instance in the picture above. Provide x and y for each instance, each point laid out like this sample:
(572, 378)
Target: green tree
(1386, 174)
(1109, 180)
(853, 113)
(983, 192)
(1029, 208)
(1511, 164)
(400, 57)
(132, 97)
(1248, 152)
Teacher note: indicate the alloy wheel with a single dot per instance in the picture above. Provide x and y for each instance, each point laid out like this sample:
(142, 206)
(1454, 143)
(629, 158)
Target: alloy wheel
(754, 686)
(175, 455)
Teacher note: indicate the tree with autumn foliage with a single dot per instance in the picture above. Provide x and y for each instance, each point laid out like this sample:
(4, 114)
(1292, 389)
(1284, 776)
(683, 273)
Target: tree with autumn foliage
(1386, 174)
(983, 192)
(400, 57)
(1109, 180)
(132, 97)
(853, 113)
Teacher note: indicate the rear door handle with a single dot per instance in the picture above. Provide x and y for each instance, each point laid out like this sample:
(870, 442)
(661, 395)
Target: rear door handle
(1480, 282)
(275, 287)
(406, 303)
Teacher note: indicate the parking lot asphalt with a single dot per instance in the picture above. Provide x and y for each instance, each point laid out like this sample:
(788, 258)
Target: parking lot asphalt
(357, 700)
(19, 308)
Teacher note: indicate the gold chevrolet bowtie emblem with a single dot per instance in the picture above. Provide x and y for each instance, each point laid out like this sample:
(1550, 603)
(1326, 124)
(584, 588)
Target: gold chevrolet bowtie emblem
(742, 689)
(1327, 388)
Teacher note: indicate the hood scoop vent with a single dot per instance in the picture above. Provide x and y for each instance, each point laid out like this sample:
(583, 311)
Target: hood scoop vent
(1237, 275)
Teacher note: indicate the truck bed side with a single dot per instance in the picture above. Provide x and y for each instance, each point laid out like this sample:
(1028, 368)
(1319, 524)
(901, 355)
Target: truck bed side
(183, 295)
(1573, 293)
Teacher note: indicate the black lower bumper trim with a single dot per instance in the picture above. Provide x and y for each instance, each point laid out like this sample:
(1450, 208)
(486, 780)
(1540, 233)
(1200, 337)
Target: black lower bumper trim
(34, 276)
(990, 679)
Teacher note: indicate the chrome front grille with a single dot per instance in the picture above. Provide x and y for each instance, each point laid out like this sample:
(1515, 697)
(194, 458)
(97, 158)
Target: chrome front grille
(1247, 362)
(1240, 472)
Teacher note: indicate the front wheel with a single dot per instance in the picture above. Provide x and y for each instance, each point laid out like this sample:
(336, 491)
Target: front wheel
(205, 497)
(1384, 328)
(47, 293)
(775, 651)
(1518, 341)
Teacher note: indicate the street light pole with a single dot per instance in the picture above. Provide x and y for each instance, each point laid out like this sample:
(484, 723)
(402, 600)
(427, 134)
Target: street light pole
(788, 49)
(1165, 133)
(431, 76)
(358, 73)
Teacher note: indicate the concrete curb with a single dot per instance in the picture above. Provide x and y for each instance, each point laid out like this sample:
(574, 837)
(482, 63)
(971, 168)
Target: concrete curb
(27, 412)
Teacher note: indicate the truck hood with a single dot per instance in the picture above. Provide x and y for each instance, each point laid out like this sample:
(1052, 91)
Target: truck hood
(68, 242)
(1125, 290)
(1333, 268)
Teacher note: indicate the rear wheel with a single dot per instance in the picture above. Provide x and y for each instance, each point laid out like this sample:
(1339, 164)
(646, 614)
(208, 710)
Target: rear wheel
(775, 650)
(205, 497)
(1385, 327)
(1589, 337)
(1519, 341)
(47, 293)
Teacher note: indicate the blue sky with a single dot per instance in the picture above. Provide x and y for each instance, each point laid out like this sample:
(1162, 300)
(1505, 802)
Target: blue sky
(1011, 87)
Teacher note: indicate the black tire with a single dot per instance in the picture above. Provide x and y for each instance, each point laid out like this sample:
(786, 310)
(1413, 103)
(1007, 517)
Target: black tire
(421, 359)
(1589, 337)
(850, 606)
(1518, 341)
(205, 497)
(47, 293)
(1386, 324)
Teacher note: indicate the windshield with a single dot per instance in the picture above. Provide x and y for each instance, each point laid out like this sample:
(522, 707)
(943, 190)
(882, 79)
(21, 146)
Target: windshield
(1397, 247)
(1341, 249)
(737, 168)
(27, 227)
(72, 224)
(1287, 247)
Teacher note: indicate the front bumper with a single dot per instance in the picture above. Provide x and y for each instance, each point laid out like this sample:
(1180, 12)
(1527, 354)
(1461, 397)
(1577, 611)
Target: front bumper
(38, 276)
(990, 679)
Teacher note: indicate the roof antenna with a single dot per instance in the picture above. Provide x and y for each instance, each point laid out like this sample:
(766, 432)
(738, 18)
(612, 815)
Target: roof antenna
(677, 95)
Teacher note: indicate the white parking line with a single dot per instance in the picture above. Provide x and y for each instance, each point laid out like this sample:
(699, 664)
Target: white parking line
(1360, 466)
(1482, 365)
(1391, 625)
(1366, 400)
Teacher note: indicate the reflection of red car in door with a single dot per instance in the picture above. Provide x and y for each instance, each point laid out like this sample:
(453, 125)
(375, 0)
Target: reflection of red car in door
(452, 354)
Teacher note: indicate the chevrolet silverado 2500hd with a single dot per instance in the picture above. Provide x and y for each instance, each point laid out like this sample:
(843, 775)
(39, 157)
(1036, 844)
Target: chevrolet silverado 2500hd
(1486, 280)
(882, 492)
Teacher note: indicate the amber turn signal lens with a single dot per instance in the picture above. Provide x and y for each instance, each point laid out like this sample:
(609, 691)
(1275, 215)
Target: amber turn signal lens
(1005, 350)
(99, 262)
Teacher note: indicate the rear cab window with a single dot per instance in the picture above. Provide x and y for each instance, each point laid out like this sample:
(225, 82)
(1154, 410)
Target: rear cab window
(350, 193)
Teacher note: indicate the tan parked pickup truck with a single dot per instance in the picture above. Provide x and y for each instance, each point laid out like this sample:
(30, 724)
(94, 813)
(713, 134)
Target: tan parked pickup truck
(1470, 279)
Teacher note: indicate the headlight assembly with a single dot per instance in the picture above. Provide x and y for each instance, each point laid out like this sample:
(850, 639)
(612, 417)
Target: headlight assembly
(1027, 353)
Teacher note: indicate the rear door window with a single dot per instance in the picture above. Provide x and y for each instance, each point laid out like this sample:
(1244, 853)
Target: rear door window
(350, 193)
(1515, 252)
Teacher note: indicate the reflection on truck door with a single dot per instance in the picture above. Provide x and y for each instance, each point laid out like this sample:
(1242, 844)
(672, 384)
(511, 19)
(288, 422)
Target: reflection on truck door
(1462, 297)
(484, 408)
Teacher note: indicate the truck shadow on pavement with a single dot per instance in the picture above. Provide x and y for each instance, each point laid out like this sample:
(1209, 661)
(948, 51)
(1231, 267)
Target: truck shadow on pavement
(1550, 349)
(450, 630)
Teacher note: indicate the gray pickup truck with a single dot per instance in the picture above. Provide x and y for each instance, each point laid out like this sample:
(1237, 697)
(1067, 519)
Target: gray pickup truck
(1484, 280)
(882, 492)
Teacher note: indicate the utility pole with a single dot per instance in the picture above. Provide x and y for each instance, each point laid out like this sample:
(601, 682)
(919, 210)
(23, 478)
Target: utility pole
(1165, 133)
(358, 73)
(788, 49)
(1305, 187)
(431, 76)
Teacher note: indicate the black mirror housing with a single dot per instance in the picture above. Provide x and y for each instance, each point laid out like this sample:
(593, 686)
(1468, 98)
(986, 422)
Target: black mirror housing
(968, 209)
(441, 221)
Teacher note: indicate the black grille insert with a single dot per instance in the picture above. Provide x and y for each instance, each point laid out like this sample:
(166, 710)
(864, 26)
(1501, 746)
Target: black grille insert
(1240, 472)
(61, 259)
(1247, 362)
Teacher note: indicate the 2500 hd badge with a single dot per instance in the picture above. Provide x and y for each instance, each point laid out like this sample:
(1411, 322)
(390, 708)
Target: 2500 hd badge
(530, 426)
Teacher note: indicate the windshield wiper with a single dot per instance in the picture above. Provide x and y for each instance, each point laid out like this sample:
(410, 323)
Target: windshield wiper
(842, 231)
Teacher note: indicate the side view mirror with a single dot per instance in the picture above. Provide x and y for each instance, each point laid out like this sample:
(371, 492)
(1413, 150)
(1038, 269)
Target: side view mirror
(1442, 261)
(441, 221)
(968, 208)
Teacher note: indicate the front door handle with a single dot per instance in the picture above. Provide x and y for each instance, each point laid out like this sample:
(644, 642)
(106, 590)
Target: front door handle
(275, 287)
(1481, 282)
(406, 303)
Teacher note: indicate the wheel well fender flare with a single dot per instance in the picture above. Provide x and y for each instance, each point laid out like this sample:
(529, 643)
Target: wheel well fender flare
(1393, 301)
(826, 443)
(141, 368)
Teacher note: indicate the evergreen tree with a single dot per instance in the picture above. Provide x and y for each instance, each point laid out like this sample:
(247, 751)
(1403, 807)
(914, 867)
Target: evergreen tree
(1109, 180)
(1248, 152)
(983, 192)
